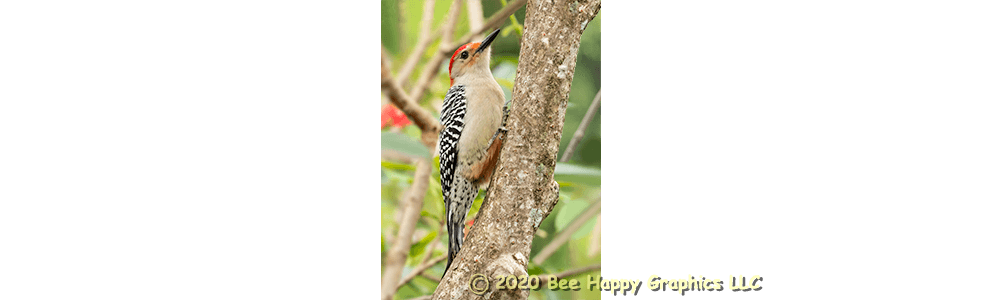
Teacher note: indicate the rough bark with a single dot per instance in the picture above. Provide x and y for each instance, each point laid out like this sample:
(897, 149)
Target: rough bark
(523, 191)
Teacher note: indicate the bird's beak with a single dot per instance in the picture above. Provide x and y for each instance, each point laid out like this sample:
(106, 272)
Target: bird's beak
(487, 41)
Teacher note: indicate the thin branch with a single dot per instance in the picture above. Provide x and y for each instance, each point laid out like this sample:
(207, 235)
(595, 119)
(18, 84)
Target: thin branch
(430, 70)
(425, 38)
(439, 237)
(429, 125)
(564, 236)
(426, 256)
(595, 239)
(475, 14)
(427, 297)
(494, 21)
(430, 277)
(580, 131)
(422, 268)
(412, 204)
(396, 156)
(451, 21)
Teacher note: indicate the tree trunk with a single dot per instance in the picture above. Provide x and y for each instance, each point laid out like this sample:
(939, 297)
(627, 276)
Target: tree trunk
(522, 191)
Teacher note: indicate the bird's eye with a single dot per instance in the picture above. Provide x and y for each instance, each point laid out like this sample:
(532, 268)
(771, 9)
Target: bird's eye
(463, 55)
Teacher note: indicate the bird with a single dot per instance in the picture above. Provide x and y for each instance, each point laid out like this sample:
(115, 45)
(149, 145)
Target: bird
(469, 145)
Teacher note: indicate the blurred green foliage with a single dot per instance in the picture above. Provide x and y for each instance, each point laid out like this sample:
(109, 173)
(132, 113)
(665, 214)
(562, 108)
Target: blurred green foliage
(579, 179)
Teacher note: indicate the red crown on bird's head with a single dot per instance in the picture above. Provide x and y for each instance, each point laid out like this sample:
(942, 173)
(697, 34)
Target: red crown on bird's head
(455, 53)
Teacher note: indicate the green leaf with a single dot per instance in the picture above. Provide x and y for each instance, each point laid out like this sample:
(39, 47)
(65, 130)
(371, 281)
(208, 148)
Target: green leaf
(476, 206)
(436, 166)
(534, 269)
(390, 26)
(420, 246)
(517, 27)
(568, 212)
(402, 143)
(514, 23)
(577, 174)
(585, 229)
(571, 169)
(396, 166)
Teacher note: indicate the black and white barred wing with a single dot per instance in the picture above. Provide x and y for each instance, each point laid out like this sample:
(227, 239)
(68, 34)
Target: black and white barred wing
(452, 118)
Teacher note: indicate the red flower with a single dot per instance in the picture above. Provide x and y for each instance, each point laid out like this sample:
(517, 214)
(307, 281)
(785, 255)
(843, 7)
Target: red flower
(467, 227)
(391, 114)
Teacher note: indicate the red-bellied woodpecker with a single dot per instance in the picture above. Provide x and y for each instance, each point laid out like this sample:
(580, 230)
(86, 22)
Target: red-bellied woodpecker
(471, 139)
